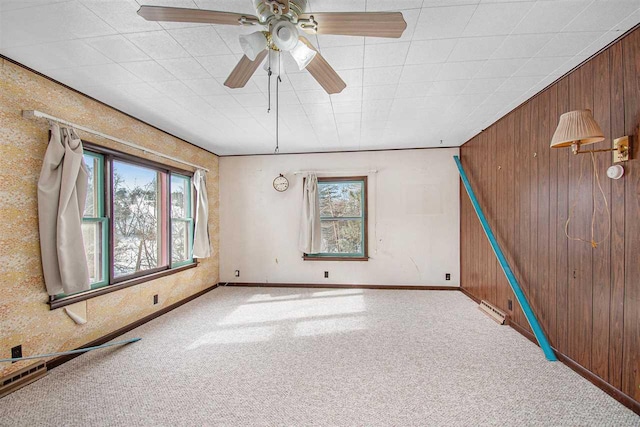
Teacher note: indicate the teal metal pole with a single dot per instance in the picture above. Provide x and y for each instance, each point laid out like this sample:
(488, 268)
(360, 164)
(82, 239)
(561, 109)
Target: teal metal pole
(64, 353)
(513, 282)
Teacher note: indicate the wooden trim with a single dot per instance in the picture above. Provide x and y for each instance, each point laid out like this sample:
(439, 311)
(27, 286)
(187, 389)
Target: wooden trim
(345, 151)
(470, 295)
(334, 258)
(342, 178)
(341, 286)
(13, 61)
(621, 397)
(72, 299)
(55, 362)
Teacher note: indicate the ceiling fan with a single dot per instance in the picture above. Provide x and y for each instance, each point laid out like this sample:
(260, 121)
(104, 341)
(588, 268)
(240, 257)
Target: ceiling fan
(281, 20)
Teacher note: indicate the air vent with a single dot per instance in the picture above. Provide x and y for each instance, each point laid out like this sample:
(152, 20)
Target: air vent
(21, 378)
(493, 312)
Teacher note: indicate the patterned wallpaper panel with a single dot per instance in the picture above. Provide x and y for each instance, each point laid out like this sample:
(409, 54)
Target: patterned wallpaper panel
(25, 317)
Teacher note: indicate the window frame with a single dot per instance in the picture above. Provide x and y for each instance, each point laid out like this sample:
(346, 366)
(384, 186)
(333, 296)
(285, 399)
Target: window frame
(110, 282)
(102, 218)
(188, 219)
(163, 224)
(364, 256)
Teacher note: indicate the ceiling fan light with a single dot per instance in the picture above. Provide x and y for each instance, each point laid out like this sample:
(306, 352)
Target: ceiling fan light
(303, 55)
(284, 35)
(252, 44)
(276, 63)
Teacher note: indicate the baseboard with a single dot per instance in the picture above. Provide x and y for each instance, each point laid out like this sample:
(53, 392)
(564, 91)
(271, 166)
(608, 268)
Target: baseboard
(469, 294)
(341, 286)
(618, 395)
(55, 362)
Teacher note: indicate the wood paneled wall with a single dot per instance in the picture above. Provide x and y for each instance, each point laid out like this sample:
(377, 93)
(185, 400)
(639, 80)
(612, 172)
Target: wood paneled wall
(588, 300)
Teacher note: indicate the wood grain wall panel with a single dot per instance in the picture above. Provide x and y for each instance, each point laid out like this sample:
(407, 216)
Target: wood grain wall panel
(542, 247)
(485, 199)
(534, 261)
(580, 252)
(518, 262)
(562, 244)
(631, 344)
(502, 213)
(587, 299)
(551, 322)
(495, 200)
(510, 175)
(601, 270)
(525, 201)
(616, 310)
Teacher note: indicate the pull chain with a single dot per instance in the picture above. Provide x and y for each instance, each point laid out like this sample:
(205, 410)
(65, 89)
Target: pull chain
(278, 80)
(269, 83)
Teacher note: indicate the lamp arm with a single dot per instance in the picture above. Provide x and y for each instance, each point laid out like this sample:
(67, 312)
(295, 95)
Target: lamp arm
(621, 145)
(579, 151)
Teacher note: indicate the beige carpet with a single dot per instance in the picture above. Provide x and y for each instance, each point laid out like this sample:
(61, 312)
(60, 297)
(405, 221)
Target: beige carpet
(300, 357)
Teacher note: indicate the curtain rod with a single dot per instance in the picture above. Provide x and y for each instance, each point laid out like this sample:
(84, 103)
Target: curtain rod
(336, 171)
(35, 114)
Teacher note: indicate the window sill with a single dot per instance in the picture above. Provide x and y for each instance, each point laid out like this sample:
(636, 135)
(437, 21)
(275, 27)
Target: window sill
(334, 258)
(72, 299)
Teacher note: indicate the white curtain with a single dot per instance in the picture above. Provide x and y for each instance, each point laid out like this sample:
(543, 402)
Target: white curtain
(62, 189)
(310, 236)
(201, 241)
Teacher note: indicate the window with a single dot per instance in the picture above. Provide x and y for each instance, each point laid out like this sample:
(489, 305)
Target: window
(343, 219)
(181, 220)
(137, 220)
(139, 243)
(94, 222)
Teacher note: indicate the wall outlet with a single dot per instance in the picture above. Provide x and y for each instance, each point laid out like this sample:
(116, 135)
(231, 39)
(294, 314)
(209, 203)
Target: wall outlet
(510, 305)
(155, 299)
(326, 274)
(447, 276)
(237, 273)
(16, 352)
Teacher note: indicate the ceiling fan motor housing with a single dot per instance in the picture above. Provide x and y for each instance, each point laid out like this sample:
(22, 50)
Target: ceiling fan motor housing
(296, 8)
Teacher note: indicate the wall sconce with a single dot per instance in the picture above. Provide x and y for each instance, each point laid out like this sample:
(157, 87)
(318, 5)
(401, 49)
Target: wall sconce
(578, 128)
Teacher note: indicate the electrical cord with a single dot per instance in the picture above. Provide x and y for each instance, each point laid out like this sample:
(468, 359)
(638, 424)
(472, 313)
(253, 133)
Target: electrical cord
(596, 178)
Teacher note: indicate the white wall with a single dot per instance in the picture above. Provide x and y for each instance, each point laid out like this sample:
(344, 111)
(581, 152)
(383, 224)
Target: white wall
(414, 232)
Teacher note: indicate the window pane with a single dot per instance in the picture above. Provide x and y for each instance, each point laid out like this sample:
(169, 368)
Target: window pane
(93, 245)
(181, 224)
(340, 199)
(180, 241)
(179, 197)
(341, 236)
(137, 218)
(91, 203)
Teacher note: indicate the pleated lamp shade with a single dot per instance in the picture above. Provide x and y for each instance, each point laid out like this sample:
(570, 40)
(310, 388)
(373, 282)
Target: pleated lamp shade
(576, 127)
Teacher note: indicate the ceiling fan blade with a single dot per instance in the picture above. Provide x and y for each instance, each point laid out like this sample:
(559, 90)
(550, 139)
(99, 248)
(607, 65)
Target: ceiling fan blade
(324, 74)
(370, 24)
(244, 70)
(179, 14)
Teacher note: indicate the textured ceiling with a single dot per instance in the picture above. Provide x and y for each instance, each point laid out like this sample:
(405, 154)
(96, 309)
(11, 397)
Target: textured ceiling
(460, 65)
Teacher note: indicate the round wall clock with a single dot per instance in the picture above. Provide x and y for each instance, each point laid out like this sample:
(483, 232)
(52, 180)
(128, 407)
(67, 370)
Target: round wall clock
(281, 183)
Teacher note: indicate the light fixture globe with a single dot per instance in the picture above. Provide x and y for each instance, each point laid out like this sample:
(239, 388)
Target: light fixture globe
(252, 44)
(303, 55)
(284, 35)
(576, 128)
